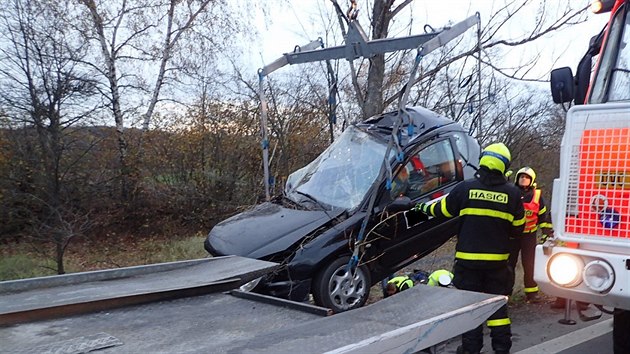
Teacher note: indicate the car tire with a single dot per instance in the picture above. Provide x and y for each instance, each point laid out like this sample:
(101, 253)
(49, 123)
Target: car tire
(333, 286)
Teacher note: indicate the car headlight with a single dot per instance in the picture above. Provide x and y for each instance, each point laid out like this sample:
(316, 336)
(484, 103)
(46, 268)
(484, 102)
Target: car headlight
(599, 276)
(249, 286)
(565, 270)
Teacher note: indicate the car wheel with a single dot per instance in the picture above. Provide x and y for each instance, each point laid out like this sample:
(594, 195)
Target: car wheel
(338, 289)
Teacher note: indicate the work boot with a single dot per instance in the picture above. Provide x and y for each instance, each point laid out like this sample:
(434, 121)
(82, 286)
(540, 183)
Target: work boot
(533, 298)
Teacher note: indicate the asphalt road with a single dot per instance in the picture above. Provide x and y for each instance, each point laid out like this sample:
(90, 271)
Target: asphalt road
(598, 345)
(535, 330)
(594, 339)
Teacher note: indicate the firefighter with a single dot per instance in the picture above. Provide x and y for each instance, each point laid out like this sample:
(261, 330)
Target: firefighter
(398, 284)
(536, 217)
(490, 213)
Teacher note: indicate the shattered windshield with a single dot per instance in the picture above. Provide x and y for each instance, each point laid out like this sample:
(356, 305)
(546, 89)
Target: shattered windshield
(613, 76)
(342, 174)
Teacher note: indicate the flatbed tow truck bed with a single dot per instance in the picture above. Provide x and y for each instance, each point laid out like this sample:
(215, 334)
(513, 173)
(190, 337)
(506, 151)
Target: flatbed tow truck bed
(185, 307)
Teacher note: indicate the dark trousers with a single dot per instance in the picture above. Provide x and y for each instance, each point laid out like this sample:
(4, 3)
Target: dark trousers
(621, 331)
(497, 280)
(526, 245)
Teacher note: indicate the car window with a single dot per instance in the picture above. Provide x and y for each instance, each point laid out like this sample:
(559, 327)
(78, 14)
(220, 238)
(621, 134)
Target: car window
(342, 174)
(427, 170)
(462, 144)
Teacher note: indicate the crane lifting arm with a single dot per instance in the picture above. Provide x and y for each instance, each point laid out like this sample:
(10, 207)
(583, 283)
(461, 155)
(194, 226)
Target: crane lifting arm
(357, 45)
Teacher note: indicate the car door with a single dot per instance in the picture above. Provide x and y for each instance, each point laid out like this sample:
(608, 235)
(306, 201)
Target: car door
(429, 173)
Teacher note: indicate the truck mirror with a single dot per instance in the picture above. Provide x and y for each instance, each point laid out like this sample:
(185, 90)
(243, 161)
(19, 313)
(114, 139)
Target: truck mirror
(582, 79)
(562, 85)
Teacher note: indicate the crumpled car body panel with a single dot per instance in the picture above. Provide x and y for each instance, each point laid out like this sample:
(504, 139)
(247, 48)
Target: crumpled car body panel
(311, 225)
(266, 229)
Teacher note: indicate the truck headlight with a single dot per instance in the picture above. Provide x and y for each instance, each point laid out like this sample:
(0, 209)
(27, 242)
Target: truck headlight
(565, 269)
(599, 276)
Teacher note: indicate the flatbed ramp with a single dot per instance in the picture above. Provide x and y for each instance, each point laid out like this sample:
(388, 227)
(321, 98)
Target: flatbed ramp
(218, 322)
(38, 298)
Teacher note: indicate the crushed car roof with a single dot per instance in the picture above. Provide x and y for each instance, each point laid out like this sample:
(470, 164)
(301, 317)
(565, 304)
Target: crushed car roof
(422, 121)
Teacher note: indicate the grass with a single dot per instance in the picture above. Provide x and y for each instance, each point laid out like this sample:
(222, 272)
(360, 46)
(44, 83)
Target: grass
(176, 250)
(21, 266)
(22, 261)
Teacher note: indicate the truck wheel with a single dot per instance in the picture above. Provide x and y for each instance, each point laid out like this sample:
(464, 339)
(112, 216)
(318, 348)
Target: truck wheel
(335, 287)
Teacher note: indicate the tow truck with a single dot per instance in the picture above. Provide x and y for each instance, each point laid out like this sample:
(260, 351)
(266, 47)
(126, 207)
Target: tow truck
(589, 258)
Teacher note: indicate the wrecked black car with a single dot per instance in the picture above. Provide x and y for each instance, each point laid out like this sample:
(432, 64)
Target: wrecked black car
(310, 230)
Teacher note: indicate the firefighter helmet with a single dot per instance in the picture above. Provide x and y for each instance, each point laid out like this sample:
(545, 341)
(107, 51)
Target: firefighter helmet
(496, 157)
(527, 171)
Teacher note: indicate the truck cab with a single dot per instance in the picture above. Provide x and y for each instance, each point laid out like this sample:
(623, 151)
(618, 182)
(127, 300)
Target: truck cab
(589, 259)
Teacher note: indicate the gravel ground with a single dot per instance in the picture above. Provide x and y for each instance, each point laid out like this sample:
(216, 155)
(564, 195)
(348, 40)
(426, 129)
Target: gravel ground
(442, 258)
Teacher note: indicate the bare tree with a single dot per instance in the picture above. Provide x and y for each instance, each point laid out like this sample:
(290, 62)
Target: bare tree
(297, 117)
(45, 92)
(383, 13)
(125, 31)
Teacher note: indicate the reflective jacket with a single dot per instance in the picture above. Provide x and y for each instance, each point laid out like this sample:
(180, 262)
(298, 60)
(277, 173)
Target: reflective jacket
(536, 213)
(401, 282)
(490, 211)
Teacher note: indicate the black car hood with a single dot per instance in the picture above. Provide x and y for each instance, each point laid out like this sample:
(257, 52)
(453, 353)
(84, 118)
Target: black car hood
(264, 230)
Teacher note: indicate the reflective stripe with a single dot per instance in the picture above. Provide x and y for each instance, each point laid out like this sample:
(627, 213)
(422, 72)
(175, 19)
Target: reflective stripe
(444, 210)
(542, 211)
(432, 209)
(537, 194)
(482, 256)
(531, 230)
(499, 322)
(505, 160)
(531, 290)
(546, 225)
(518, 222)
(488, 212)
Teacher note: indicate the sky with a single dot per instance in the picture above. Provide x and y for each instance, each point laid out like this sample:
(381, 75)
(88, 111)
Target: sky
(297, 22)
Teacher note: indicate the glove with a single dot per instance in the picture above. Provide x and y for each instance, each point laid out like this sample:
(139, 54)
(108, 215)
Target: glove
(546, 237)
(422, 207)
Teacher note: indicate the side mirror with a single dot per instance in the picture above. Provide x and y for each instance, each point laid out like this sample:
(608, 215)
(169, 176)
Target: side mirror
(400, 204)
(562, 85)
(583, 78)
